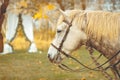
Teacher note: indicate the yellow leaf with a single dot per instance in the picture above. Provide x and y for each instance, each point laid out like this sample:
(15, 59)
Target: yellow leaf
(83, 79)
(23, 4)
(50, 7)
(42, 79)
(38, 15)
(45, 16)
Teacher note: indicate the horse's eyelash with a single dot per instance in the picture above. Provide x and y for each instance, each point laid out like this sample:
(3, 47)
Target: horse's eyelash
(58, 31)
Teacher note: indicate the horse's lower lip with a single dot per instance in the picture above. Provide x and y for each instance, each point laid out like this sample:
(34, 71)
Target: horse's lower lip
(51, 60)
(55, 60)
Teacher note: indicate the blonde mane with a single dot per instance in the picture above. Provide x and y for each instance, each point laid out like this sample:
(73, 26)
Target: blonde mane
(70, 14)
(100, 24)
(97, 30)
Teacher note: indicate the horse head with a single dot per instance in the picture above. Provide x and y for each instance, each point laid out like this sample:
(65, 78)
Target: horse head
(68, 38)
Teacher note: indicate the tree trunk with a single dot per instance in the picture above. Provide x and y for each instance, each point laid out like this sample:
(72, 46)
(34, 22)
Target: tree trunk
(2, 12)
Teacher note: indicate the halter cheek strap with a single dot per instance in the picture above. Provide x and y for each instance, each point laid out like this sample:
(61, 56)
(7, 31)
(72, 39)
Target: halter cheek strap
(60, 50)
(65, 36)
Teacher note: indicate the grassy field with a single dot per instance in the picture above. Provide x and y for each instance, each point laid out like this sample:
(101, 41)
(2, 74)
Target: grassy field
(22, 65)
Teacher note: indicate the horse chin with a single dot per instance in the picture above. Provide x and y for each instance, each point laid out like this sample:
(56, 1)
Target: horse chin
(56, 60)
(59, 59)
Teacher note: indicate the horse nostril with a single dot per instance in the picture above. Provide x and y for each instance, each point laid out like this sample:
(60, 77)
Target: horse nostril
(50, 58)
(48, 55)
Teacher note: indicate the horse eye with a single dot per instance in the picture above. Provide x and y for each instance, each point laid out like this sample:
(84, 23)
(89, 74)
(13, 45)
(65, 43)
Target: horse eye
(58, 31)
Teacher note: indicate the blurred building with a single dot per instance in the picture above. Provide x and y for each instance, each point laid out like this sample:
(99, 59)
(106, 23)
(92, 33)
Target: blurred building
(105, 5)
(19, 11)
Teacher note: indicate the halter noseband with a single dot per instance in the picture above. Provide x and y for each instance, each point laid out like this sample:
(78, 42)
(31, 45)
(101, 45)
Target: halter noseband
(64, 38)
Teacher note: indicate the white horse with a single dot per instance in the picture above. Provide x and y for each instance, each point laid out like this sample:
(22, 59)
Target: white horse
(95, 29)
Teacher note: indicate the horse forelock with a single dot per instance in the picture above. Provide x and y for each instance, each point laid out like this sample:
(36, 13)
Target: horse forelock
(70, 14)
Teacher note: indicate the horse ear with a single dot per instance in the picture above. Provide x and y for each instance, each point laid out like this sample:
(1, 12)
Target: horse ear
(62, 12)
(64, 15)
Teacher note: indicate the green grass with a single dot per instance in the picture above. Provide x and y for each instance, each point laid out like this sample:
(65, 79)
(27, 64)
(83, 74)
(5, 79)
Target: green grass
(22, 65)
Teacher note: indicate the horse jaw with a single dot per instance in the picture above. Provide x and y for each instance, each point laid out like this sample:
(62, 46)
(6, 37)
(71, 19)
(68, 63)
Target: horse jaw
(54, 56)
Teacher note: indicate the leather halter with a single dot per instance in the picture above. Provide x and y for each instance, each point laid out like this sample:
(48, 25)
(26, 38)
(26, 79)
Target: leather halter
(64, 67)
(64, 38)
(64, 53)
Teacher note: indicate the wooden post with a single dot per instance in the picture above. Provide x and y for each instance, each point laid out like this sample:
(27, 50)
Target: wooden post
(2, 16)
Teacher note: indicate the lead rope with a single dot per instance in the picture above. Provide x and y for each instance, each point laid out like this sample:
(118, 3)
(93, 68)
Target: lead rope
(65, 67)
(93, 58)
(98, 64)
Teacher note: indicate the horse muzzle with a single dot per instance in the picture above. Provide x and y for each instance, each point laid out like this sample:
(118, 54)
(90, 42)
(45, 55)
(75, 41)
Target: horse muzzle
(56, 59)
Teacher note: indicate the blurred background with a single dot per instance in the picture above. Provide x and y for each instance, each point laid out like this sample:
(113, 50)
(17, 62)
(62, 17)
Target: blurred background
(45, 14)
(29, 27)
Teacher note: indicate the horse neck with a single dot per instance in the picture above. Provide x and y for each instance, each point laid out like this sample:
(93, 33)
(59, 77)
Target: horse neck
(107, 46)
(106, 49)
